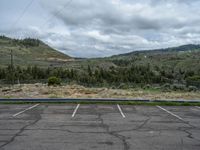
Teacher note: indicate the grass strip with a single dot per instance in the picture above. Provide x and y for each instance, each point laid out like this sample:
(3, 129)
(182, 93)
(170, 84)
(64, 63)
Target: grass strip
(111, 103)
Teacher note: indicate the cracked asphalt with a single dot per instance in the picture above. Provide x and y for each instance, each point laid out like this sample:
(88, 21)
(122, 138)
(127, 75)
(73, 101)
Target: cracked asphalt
(99, 127)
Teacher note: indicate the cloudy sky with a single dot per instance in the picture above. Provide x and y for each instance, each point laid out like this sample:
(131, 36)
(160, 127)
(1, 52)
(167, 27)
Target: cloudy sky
(97, 28)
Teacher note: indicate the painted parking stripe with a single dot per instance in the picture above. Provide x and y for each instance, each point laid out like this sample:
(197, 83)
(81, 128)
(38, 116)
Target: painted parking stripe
(25, 110)
(121, 112)
(198, 107)
(170, 113)
(75, 110)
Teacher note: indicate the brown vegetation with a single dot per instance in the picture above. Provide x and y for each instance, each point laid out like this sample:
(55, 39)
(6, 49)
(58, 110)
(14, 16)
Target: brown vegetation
(77, 91)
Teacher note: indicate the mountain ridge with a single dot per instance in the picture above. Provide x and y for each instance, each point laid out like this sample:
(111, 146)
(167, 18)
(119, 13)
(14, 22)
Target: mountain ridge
(187, 47)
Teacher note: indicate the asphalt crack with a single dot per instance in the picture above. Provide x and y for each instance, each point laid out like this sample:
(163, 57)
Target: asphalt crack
(21, 131)
(115, 134)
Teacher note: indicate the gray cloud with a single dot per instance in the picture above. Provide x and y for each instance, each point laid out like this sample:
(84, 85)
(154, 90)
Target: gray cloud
(93, 28)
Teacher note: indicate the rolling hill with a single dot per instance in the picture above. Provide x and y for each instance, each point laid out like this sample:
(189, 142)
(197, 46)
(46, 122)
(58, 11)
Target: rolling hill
(35, 52)
(185, 57)
(182, 48)
(177, 65)
(30, 52)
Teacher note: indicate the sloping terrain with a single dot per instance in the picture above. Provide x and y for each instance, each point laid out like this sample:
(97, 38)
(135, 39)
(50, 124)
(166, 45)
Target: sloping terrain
(182, 58)
(29, 52)
(186, 57)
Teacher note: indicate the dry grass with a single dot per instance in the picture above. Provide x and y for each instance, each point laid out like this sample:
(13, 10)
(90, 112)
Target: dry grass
(77, 91)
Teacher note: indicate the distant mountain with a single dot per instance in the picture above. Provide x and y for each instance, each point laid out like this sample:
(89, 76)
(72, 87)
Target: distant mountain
(189, 47)
(30, 52)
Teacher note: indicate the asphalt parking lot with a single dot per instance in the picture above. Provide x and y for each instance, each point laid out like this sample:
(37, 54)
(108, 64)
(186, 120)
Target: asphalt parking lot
(99, 127)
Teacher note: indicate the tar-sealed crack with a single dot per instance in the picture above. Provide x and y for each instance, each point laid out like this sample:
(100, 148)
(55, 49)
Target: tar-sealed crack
(186, 130)
(115, 134)
(107, 130)
(106, 127)
(189, 134)
(38, 117)
(121, 137)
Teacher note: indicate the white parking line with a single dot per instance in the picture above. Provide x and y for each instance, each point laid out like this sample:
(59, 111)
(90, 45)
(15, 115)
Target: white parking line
(75, 110)
(198, 107)
(25, 110)
(120, 110)
(170, 113)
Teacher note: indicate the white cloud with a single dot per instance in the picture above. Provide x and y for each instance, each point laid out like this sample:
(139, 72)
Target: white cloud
(93, 28)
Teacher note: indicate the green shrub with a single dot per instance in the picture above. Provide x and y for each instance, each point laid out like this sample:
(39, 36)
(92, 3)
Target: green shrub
(166, 85)
(193, 81)
(194, 78)
(54, 81)
(147, 86)
(123, 86)
(192, 88)
(177, 87)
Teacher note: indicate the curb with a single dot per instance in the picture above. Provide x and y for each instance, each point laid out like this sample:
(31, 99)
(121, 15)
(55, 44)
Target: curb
(91, 100)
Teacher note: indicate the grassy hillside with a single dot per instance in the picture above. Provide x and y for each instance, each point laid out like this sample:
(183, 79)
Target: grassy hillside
(186, 57)
(189, 47)
(177, 66)
(29, 52)
(35, 52)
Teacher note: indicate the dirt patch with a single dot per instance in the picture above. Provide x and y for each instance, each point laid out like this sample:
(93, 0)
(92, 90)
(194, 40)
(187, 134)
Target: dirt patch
(77, 91)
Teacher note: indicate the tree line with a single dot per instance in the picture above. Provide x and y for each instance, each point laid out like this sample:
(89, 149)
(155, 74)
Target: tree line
(100, 76)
